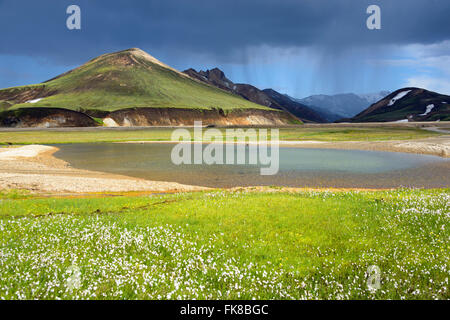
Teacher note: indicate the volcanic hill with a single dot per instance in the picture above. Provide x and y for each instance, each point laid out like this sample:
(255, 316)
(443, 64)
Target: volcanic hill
(129, 88)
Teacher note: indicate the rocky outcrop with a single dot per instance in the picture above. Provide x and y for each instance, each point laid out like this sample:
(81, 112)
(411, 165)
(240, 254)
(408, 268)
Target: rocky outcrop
(217, 78)
(45, 118)
(186, 117)
(25, 94)
(136, 117)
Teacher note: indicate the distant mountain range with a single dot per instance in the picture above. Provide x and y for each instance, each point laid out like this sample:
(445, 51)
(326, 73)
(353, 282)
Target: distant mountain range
(407, 104)
(316, 108)
(342, 105)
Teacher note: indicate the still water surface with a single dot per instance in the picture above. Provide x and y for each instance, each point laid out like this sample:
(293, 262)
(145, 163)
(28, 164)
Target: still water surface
(298, 167)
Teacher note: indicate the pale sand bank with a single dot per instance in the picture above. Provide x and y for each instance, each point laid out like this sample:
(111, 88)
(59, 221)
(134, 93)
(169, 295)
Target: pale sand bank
(433, 146)
(23, 152)
(35, 169)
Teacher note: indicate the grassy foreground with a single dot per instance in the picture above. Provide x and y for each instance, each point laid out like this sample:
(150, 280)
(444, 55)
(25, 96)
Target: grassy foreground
(164, 134)
(226, 245)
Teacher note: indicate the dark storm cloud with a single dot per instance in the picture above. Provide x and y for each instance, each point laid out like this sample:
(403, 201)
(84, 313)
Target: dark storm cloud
(216, 27)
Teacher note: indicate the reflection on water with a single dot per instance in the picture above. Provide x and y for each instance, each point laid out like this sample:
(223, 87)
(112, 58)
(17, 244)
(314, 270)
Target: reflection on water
(298, 167)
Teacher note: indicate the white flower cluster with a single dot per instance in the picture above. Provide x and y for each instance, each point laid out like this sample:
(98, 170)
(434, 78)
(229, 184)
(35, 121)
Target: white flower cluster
(117, 262)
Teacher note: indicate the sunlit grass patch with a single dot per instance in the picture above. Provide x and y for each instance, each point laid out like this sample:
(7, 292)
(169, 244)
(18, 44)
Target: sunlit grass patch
(14, 194)
(222, 244)
(164, 134)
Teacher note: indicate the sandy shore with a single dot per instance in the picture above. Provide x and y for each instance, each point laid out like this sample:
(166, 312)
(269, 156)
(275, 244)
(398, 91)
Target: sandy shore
(34, 168)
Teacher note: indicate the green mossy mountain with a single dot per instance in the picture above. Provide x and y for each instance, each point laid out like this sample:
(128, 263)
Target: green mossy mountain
(126, 79)
(130, 88)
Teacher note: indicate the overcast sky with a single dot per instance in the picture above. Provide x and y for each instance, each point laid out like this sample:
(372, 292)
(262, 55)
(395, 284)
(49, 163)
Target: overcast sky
(299, 47)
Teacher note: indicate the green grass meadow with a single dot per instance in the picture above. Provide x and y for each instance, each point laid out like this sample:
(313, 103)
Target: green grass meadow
(226, 245)
(164, 134)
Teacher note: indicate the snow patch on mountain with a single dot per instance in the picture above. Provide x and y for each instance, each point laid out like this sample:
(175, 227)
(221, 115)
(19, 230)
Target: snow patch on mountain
(400, 121)
(429, 108)
(34, 101)
(398, 97)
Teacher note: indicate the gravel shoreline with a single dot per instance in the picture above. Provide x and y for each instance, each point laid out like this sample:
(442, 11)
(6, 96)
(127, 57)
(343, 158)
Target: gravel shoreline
(35, 169)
